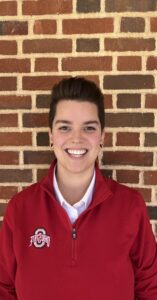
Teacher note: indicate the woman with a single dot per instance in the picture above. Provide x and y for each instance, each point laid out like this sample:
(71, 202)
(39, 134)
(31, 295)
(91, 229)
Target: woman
(76, 234)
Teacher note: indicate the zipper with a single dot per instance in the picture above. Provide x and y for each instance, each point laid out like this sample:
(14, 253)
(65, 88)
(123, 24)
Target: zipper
(74, 235)
(74, 246)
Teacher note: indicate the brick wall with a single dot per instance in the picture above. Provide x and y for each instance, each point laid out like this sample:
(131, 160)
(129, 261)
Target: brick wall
(112, 42)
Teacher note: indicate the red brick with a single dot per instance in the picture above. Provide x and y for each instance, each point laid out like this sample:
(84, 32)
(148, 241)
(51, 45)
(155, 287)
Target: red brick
(35, 120)
(46, 64)
(95, 25)
(43, 139)
(9, 158)
(129, 24)
(40, 82)
(129, 44)
(127, 176)
(108, 101)
(87, 45)
(132, 158)
(146, 193)
(47, 82)
(130, 5)
(8, 84)
(15, 175)
(47, 46)
(15, 102)
(41, 173)
(8, 47)
(38, 157)
(8, 8)
(128, 139)
(129, 63)
(15, 138)
(86, 6)
(152, 63)
(129, 119)
(94, 78)
(128, 101)
(151, 101)
(87, 63)
(10, 120)
(43, 101)
(45, 27)
(153, 24)
(108, 140)
(14, 65)
(150, 177)
(152, 212)
(42, 7)
(128, 82)
(13, 28)
(150, 139)
(2, 208)
(7, 192)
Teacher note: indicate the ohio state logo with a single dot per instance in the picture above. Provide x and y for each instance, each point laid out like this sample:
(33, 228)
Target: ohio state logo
(40, 238)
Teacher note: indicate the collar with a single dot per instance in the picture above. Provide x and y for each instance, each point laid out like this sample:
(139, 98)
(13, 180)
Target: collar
(87, 198)
(101, 191)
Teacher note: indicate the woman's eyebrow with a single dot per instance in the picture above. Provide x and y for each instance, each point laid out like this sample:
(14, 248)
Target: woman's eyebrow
(63, 121)
(91, 122)
(69, 122)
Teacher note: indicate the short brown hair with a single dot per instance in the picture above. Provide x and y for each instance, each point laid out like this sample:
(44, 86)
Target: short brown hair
(77, 89)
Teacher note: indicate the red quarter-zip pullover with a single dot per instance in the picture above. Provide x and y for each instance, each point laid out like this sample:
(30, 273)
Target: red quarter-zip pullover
(108, 253)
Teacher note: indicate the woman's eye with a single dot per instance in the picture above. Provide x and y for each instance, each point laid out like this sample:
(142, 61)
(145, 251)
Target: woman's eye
(89, 128)
(64, 128)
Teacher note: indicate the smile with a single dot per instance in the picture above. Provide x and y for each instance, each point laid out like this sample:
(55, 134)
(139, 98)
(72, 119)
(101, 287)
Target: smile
(76, 152)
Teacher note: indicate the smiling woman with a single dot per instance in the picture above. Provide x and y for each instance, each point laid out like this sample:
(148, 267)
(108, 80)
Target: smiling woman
(82, 235)
(76, 139)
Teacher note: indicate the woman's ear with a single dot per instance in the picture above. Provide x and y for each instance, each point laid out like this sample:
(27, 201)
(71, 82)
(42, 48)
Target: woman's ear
(50, 136)
(102, 137)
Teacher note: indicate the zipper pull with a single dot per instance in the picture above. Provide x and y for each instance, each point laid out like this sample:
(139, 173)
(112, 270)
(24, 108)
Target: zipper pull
(74, 233)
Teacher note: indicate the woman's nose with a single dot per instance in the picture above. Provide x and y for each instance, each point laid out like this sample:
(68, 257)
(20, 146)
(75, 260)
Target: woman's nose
(76, 136)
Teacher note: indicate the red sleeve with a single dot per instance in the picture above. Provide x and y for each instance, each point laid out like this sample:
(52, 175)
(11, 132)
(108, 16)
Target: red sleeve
(144, 258)
(7, 259)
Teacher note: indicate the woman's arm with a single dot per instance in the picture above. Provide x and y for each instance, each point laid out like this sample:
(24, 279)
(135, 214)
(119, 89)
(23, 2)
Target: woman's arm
(7, 260)
(144, 259)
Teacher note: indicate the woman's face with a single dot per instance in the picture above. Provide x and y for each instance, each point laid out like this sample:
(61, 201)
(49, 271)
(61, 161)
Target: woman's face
(76, 136)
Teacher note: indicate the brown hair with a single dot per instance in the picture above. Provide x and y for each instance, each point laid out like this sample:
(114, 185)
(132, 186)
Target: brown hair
(77, 89)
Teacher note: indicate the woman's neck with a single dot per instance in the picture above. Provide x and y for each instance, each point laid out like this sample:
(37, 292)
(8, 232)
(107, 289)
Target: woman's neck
(73, 186)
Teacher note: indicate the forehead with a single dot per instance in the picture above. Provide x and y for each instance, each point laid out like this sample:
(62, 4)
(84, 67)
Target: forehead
(74, 109)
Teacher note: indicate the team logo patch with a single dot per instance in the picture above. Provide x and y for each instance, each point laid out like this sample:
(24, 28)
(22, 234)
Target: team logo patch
(40, 238)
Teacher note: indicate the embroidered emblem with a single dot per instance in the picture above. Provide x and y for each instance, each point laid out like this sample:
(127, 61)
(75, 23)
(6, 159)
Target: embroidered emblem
(40, 238)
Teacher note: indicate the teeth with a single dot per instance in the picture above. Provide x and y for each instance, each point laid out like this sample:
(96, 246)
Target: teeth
(76, 152)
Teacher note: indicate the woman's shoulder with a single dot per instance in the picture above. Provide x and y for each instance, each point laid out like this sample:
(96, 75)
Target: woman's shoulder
(125, 194)
(27, 194)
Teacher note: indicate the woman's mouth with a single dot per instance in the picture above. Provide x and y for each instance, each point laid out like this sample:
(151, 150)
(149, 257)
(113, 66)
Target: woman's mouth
(76, 152)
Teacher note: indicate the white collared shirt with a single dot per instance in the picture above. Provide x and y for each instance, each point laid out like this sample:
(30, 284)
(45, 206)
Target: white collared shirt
(75, 210)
